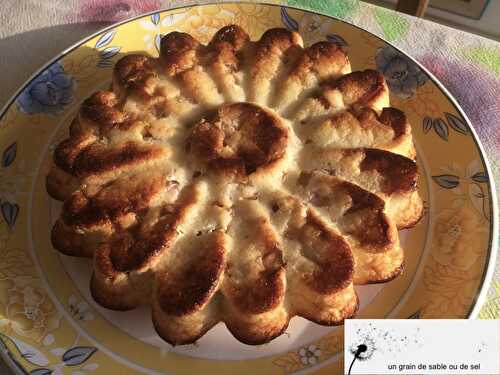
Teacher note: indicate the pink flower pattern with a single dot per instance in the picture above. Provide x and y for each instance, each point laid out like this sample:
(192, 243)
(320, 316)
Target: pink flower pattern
(113, 10)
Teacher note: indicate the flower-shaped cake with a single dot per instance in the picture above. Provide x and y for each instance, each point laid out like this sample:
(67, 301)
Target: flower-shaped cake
(239, 181)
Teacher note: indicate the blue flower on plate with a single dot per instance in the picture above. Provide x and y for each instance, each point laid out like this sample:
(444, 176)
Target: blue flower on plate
(48, 93)
(402, 74)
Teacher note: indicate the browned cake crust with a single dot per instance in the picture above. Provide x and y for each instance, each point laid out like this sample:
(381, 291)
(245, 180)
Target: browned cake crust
(240, 181)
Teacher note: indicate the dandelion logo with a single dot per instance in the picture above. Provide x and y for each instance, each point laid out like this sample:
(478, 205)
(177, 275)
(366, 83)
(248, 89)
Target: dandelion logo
(362, 350)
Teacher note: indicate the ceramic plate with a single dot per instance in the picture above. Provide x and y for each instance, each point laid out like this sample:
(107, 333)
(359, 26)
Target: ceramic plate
(49, 324)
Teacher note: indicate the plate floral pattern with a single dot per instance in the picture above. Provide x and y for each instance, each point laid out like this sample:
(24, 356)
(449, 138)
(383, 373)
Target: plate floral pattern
(46, 324)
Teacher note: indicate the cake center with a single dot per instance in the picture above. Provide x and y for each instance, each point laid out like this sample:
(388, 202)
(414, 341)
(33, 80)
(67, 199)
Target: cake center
(239, 139)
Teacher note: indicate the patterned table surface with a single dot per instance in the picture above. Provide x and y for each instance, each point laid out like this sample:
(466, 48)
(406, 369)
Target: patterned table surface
(468, 65)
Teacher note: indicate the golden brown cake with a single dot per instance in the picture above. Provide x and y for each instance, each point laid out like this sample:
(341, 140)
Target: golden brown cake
(244, 182)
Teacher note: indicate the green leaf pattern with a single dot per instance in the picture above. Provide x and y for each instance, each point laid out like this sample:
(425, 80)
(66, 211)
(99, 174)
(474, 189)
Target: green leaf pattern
(487, 57)
(392, 25)
(336, 8)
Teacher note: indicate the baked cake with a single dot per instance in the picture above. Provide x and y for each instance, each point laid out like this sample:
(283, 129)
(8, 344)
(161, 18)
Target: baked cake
(243, 182)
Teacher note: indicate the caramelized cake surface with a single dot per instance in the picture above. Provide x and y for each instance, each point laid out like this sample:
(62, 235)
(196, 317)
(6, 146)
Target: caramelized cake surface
(240, 181)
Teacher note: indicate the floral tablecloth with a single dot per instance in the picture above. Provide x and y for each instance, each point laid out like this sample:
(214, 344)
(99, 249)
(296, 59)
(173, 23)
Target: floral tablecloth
(468, 65)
